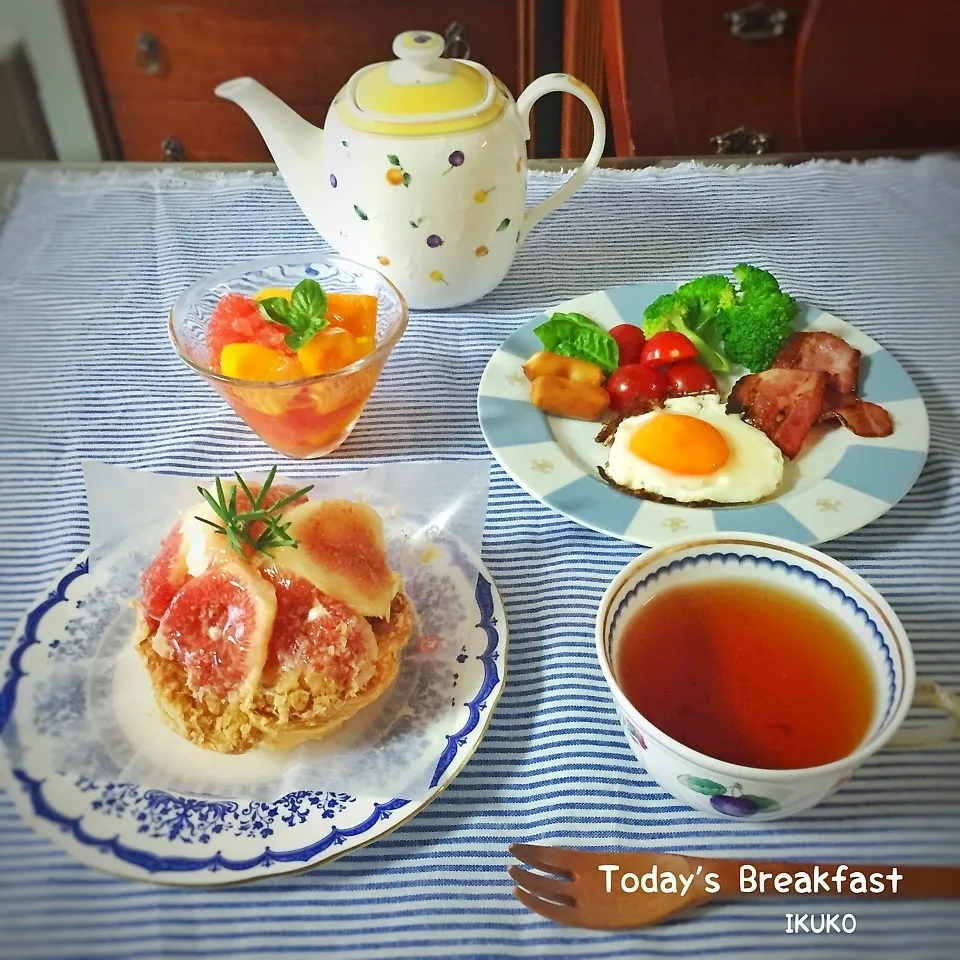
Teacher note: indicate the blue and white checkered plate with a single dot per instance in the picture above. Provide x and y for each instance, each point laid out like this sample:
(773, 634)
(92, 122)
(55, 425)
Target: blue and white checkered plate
(837, 484)
(451, 675)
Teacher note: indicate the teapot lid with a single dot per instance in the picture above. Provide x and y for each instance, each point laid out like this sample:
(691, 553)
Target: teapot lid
(421, 92)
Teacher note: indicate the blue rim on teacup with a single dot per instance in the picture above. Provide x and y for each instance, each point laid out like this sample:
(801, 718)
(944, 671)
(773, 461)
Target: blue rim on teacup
(727, 789)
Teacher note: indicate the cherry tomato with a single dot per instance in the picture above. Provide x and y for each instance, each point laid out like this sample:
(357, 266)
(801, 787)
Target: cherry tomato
(635, 382)
(630, 340)
(665, 347)
(688, 376)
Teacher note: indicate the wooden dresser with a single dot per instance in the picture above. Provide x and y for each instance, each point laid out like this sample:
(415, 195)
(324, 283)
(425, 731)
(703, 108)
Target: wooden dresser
(679, 77)
(150, 66)
(694, 77)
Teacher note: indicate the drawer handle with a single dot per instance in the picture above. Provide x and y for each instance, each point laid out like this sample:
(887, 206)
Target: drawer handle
(455, 43)
(759, 21)
(742, 140)
(173, 151)
(148, 53)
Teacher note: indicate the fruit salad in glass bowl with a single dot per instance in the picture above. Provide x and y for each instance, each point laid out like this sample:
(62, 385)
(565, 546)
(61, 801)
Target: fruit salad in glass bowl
(295, 347)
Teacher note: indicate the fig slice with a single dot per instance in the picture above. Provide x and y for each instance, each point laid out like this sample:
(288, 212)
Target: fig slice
(217, 628)
(313, 632)
(340, 550)
(165, 575)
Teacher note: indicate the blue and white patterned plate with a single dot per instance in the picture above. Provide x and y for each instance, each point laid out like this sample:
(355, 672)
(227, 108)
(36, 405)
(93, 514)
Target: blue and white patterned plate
(451, 676)
(838, 483)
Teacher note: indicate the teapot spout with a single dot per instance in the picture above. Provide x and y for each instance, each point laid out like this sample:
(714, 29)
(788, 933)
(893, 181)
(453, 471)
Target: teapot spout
(293, 143)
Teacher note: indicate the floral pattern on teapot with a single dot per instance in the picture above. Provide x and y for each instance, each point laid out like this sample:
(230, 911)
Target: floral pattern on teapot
(435, 217)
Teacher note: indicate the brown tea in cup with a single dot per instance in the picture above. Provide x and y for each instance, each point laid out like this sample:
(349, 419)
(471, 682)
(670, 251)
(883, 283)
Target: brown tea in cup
(748, 673)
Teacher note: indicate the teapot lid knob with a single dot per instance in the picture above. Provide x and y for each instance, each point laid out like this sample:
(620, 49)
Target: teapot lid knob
(418, 46)
(419, 60)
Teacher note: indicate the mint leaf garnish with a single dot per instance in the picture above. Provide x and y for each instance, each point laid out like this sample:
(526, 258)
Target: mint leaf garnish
(308, 298)
(303, 314)
(303, 335)
(276, 310)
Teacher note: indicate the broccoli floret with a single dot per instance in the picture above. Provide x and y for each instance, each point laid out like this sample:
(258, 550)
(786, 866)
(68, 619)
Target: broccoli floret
(664, 313)
(673, 311)
(754, 328)
(754, 280)
(752, 321)
(710, 293)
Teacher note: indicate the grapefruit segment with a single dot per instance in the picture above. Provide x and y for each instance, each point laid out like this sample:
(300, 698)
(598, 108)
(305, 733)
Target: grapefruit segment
(341, 552)
(166, 574)
(217, 628)
(237, 319)
(271, 402)
(315, 632)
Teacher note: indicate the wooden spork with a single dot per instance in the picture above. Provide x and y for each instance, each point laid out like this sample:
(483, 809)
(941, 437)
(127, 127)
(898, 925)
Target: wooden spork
(615, 891)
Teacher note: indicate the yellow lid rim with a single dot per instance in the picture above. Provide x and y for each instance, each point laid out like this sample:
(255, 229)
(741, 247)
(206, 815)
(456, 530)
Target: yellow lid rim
(372, 117)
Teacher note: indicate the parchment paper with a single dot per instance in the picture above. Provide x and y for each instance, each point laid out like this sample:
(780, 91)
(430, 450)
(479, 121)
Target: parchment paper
(433, 516)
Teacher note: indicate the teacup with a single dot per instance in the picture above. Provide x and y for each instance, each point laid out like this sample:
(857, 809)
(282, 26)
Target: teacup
(730, 790)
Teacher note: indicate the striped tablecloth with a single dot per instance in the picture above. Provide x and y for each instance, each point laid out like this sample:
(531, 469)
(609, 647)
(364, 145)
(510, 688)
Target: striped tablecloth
(88, 267)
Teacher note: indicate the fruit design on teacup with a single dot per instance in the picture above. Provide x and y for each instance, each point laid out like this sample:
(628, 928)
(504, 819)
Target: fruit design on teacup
(481, 195)
(731, 803)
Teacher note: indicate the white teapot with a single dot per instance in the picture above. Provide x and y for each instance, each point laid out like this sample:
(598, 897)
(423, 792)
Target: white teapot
(421, 169)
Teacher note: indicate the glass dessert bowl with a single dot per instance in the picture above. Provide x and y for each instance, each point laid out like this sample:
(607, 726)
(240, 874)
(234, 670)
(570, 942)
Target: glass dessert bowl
(295, 346)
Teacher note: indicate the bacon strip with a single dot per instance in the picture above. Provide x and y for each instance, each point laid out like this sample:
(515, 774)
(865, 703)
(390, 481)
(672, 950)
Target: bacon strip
(783, 403)
(865, 419)
(830, 354)
(819, 350)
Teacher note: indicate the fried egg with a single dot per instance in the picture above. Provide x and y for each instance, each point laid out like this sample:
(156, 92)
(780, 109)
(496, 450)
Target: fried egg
(692, 451)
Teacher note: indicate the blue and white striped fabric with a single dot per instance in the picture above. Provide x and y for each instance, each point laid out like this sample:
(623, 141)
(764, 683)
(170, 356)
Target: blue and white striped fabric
(88, 268)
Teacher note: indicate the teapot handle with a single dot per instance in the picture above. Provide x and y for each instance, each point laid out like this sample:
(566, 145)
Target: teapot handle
(562, 83)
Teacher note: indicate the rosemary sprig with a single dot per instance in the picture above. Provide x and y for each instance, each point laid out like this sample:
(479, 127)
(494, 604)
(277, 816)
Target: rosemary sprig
(238, 526)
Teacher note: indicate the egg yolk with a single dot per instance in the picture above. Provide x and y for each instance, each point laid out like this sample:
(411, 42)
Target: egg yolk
(680, 444)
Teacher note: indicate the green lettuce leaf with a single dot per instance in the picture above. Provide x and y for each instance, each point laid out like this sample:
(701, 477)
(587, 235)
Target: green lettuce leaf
(577, 336)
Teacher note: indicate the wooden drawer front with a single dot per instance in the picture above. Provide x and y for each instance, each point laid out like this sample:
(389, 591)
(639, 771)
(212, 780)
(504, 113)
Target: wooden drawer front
(304, 50)
(208, 132)
(688, 78)
(722, 82)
